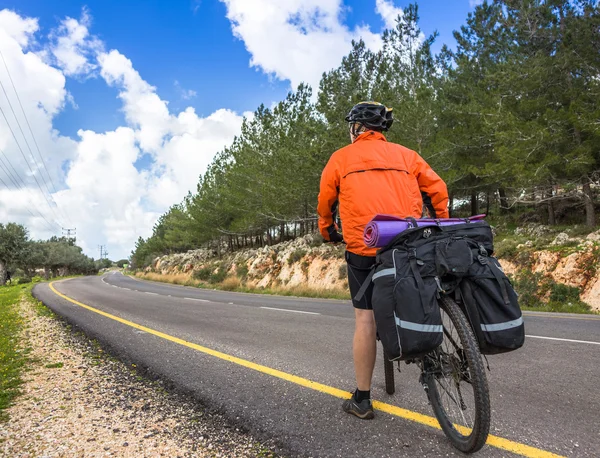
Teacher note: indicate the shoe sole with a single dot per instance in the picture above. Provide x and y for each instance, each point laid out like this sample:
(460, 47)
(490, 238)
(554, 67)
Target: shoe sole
(365, 416)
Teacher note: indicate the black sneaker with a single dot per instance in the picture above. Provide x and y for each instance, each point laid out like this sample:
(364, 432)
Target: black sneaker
(363, 409)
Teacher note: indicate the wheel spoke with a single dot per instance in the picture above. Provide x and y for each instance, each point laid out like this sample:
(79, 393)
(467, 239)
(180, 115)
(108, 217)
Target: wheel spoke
(453, 379)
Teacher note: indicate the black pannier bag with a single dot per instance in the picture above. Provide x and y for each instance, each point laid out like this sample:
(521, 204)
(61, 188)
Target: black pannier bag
(405, 306)
(492, 306)
(410, 273)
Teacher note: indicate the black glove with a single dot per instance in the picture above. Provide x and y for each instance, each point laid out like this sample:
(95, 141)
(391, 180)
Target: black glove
(334, 235)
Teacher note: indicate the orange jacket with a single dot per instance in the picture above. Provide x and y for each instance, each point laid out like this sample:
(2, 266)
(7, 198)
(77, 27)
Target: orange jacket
(373, 176)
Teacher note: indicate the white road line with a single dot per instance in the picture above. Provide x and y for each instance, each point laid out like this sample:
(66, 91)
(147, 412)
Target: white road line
(564, 340)
(194, 299)
(293, 311)
(148, 292)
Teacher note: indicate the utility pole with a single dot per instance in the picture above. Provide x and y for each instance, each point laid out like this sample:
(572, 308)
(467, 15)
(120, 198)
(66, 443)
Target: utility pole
(70, 234)
(103, 252)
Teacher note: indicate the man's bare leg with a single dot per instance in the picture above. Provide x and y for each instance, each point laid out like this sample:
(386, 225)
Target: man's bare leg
(364, 348)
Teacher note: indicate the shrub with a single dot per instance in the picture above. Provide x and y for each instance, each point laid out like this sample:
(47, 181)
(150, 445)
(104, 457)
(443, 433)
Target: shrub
(23, 280)
(218, 276)
(202, 274)
(560, 292)
(242, 270)
(317, 241)
(296, 256)
(343, 271)
(506, 249)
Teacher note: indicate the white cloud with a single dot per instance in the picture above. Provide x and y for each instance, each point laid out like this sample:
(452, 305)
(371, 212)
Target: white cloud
(107, 199)
(388, 12)
(72, 46)
(474, 3)
(19, 29)
(295, 40)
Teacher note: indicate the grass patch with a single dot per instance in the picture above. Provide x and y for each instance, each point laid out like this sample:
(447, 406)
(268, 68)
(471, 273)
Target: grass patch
(299, 291)
(54, 366)
(231, 284)
(175, 279)
(234, 284)
(12, 356)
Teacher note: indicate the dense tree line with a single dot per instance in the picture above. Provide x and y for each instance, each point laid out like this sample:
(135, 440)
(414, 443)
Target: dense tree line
(509, 118)
(56, 256)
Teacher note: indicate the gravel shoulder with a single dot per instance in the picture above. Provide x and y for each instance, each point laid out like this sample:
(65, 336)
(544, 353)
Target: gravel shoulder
(78, 401)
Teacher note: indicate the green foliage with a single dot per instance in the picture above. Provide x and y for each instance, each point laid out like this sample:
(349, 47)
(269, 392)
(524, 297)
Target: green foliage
(510, 116)
(57, 256)
(23, 280)
(541, 293)
(296, 255)
(218, 276)
(506, 249)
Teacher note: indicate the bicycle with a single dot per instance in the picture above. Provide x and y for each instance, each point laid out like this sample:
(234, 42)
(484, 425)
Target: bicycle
(449, 374)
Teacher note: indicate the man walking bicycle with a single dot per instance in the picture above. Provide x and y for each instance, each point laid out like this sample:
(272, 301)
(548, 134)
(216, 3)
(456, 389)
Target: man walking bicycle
(368, 177)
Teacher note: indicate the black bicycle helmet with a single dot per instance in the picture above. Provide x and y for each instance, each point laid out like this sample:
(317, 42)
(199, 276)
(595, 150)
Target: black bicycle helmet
(372, 115)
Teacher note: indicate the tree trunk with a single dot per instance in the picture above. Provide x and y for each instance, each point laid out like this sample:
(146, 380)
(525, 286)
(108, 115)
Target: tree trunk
(590, 212)
(474, 204)
(451, 205)
(551, 215)
(487, 203)
(503, 200)
(2, 273)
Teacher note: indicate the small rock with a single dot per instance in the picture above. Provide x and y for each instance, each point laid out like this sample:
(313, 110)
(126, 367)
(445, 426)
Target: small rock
(561, 239)
(125, 444)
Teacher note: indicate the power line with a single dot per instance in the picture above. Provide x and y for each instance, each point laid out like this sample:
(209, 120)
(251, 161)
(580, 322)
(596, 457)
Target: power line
(28, 164)
(32, 136)
(12, 178)
(27, 120)
(30, 151)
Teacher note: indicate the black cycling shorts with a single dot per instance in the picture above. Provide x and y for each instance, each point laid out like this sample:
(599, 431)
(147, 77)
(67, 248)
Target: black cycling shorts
(358, 270)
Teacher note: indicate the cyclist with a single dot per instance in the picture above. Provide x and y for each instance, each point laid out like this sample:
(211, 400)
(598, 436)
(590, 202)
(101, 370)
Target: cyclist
(368, 177)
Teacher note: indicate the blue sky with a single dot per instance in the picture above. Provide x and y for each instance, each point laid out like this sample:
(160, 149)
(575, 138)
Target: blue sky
(130, 100)
(190, 42)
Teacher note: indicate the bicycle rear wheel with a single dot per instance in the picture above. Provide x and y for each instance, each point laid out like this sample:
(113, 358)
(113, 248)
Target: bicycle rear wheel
(455, 381)
(388, 367)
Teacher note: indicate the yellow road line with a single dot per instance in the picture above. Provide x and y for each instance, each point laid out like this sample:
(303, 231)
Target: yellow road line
(494, 441)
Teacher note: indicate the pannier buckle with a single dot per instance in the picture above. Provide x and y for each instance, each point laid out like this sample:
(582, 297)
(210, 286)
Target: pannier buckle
(482, 250)
(439, 285)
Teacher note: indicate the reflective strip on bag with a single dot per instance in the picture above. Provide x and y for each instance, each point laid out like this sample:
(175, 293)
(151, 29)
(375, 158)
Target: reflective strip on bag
(384, 273)
(419, 327)
(502, 326)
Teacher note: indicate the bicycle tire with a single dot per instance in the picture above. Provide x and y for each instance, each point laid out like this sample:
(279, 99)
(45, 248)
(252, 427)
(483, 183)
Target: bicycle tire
(388, 368)
(472, 442)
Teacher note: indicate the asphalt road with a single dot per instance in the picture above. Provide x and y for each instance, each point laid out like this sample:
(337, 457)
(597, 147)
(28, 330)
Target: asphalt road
(255, 358)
